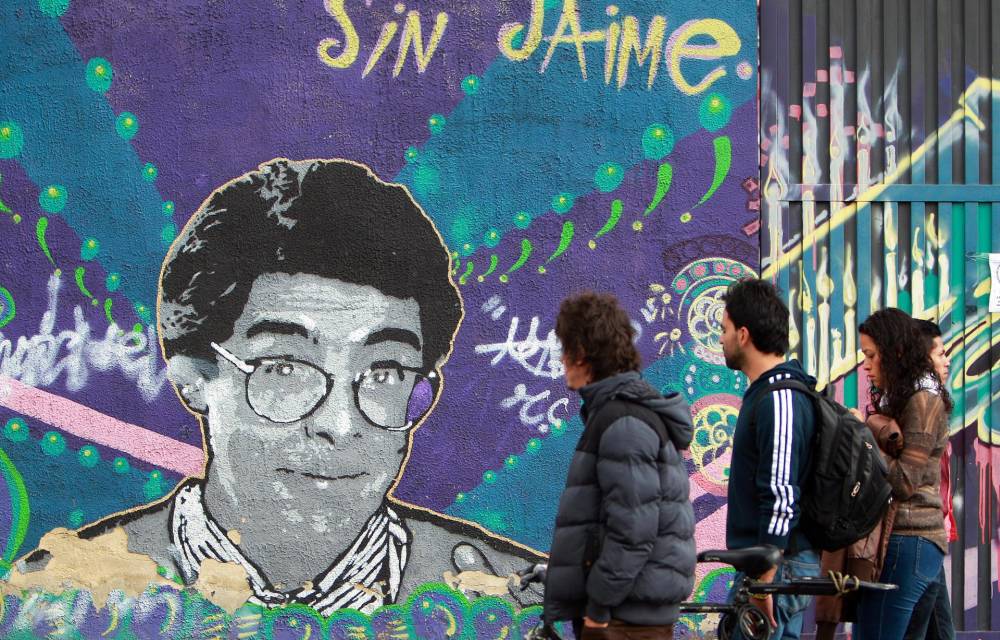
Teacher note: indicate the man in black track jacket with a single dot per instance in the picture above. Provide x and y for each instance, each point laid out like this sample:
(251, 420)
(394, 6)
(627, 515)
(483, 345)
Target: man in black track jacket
(623, 551)
(772, 444)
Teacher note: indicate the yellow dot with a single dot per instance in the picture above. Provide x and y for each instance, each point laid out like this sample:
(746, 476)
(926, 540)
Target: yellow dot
(5, 131)
(611, 170)
(53, 192)
(17, 218)
(480, 278)
(504, 278)
(658, 133)
(541, 269)
(562, 200)
(91, 244)
(58, 272)
(128, 122)
(99, 69)
(94, 302)
(15, 427)
(86, 453)
(52, 438)
(592, 244)
(637, 225)
(686, 217)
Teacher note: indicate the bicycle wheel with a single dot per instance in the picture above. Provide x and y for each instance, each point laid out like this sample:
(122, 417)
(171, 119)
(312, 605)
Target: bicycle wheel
(727, 626)
(753, 623)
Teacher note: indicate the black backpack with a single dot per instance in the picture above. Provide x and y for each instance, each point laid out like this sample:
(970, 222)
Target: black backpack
(846, 491)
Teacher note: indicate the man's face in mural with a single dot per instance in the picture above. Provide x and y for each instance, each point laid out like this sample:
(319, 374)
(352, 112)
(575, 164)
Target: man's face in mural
(333, 466)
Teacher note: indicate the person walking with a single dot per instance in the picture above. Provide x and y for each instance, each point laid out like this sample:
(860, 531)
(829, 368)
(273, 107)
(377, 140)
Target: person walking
(623, 553)
(932, 618)
(772, 446)
(906, 389)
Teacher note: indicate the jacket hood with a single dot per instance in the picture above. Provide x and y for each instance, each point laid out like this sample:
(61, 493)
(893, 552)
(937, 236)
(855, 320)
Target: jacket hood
(671, 408)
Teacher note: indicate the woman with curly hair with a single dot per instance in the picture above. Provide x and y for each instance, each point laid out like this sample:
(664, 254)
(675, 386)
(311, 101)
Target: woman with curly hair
(906, 390)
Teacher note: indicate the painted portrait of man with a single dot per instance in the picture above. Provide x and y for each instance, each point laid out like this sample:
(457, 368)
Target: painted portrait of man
(305, 313)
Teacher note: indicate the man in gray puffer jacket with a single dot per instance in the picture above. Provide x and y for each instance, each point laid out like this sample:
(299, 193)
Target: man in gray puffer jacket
(623, 551)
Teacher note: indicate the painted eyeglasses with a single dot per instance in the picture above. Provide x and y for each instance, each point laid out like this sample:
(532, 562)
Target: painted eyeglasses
(285, 390)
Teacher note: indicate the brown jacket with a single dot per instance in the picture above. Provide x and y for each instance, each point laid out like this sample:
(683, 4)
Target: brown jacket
(864, 558)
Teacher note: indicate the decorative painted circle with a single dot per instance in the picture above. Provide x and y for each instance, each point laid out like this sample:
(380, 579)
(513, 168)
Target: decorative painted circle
(657, 141)
(699, 287)
(711, 445)
(7, 308)
(705, 318)
(52, 198)
(99, 74)
(127, 125)
(11, 139)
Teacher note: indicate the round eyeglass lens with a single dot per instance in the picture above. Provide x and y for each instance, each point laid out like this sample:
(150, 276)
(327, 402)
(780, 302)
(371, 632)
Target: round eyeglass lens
(386, 396)
(285, 391)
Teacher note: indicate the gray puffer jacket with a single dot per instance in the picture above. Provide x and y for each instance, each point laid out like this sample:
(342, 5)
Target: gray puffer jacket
(623, 545)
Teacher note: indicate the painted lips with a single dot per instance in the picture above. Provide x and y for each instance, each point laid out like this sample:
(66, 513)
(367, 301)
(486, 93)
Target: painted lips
(319, 476)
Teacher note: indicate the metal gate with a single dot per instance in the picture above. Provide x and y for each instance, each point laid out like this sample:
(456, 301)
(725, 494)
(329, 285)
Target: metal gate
(881, 181)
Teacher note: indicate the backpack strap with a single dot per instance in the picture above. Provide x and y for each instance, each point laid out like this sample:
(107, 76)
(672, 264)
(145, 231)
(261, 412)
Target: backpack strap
(794, 385)
(613, 410)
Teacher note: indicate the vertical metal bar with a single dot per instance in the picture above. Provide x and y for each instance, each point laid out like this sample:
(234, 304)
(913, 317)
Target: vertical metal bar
(850, 42)
(994, 387)
(812, 174)
(795, 155)
(887, 119)
(916, 247)
(965, 482)
(946, 105)
(865, 136)
(978, 237)
(839, 147)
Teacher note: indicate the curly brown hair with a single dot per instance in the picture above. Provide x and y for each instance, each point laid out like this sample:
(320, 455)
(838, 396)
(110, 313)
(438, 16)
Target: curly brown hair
(905, 360)
(594, 326)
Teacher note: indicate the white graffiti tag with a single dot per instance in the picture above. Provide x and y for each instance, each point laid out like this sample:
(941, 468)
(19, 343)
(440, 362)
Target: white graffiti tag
(41, 359)
(545, 417)
(539, 357)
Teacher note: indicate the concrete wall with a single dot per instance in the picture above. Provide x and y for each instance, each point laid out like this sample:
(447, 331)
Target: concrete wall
(551, 147)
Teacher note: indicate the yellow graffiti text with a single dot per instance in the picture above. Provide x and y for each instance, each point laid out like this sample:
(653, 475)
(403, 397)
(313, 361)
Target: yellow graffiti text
(704, 39)
(410, 39)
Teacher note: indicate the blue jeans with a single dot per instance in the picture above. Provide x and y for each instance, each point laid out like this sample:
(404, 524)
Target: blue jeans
(931, 617)
(912, 564)
(788, 609)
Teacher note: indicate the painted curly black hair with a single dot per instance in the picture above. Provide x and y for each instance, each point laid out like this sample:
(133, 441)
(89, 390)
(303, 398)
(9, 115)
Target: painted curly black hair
(331, 218)
(905, 360)
(594, 326)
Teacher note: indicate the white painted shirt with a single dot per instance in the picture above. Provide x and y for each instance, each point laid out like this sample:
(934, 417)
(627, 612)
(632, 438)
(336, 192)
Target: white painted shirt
(377, 557)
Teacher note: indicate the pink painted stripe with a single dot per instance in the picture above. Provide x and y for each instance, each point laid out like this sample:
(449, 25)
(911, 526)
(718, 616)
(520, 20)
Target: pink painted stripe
(84, 422)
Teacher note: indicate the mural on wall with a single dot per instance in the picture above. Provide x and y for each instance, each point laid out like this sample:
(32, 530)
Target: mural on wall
(277, 297)
(880, 186)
